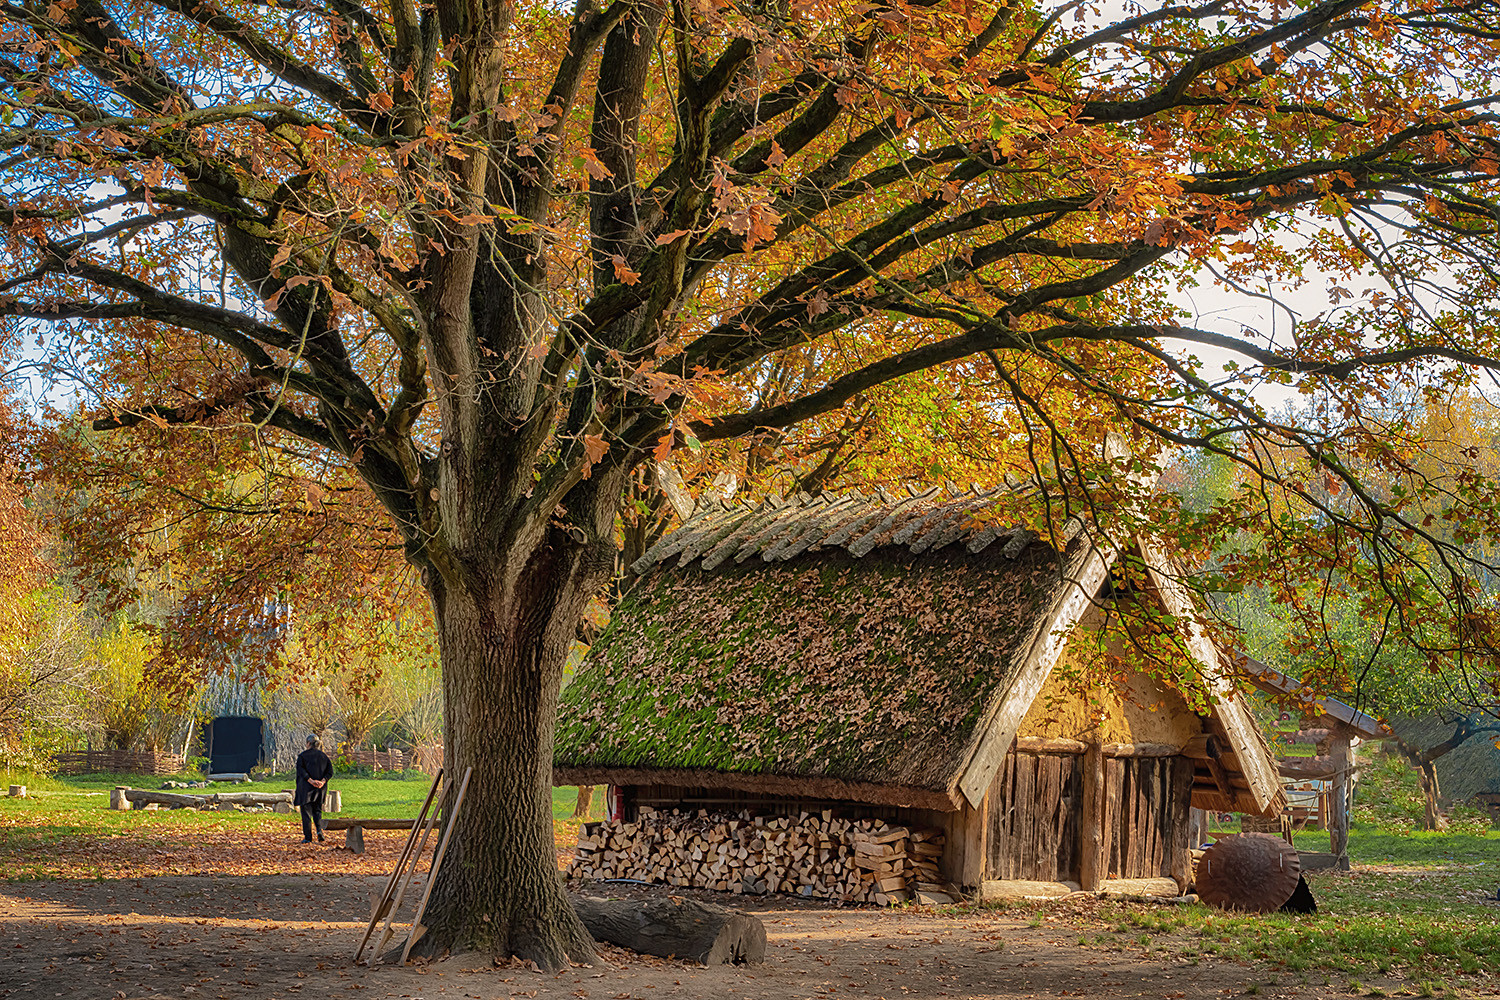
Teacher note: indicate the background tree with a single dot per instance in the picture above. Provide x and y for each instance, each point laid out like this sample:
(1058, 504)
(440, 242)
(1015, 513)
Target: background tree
(1350, 641)
(129, 711)
(482, 259)
(46, 679)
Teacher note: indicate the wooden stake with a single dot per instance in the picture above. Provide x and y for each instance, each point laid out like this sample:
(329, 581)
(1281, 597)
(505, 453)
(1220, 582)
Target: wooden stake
(437, 861)
(381, 906)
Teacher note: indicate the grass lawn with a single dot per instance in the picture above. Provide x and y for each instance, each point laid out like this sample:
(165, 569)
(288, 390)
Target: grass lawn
(63, 824)
(1413, 909)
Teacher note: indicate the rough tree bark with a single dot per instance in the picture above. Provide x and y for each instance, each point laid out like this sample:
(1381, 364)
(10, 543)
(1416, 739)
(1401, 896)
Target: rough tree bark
(505, 639)
(1431, 791)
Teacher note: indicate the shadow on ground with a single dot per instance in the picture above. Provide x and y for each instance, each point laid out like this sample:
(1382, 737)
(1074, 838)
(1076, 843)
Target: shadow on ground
(289, 936)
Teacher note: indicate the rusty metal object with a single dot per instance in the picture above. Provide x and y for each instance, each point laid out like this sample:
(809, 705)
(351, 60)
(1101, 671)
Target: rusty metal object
(1250, 872)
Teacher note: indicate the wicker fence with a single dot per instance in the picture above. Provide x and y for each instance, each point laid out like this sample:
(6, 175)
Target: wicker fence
(379, 760)
(117, 762)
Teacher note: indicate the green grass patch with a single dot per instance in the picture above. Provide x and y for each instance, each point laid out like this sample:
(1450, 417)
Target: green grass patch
(1415, 907)
(58, 809)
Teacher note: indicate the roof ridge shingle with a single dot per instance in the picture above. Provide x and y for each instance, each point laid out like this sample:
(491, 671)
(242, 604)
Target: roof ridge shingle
(778, 528)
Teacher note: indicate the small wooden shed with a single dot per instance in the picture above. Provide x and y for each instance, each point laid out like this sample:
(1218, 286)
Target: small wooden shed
(1335, 728)
(911, 660)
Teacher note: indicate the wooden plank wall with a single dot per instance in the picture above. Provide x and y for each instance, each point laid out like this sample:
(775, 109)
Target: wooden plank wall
(1029, 826)
(1146, 815)
(1033, 829)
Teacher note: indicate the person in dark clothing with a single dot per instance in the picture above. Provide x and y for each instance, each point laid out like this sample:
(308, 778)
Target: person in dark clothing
(313, 771)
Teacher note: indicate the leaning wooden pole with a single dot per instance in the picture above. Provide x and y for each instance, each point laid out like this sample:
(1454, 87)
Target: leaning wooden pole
(416, 922)
(387, 931)
(382, 904)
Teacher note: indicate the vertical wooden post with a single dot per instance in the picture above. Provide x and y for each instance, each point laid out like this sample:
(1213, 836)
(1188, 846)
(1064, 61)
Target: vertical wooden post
(1091, 820)
(1113, 864)
(1338, 820)
(1179, 835)
(977, 849)
(1197, 827)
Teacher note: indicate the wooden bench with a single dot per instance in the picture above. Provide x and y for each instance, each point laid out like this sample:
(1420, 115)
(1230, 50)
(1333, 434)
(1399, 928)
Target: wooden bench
(354, 828)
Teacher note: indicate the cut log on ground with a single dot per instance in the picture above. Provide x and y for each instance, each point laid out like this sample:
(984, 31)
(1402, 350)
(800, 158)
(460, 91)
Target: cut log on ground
(1148, 888)
(252, 798)
(698, 932)
(176, 800)
(139, 797)
(993, 889)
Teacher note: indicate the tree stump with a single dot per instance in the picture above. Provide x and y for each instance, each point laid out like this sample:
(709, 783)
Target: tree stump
(698, 932)
(332, 802)
(117, 799)
(17, 791)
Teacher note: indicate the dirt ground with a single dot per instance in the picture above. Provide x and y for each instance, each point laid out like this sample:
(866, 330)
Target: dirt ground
(280, 937)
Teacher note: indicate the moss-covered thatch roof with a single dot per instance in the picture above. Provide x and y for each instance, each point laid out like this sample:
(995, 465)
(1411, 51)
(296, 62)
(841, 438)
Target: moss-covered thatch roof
(841, 662)
(870, 649)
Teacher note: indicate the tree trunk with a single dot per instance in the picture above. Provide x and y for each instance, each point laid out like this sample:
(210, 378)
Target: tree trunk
(1430, 792)
(1337, 821)
(585, 800)
(505, 636)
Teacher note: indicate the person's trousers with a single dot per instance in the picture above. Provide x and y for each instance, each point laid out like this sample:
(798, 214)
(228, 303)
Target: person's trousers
(312, 819)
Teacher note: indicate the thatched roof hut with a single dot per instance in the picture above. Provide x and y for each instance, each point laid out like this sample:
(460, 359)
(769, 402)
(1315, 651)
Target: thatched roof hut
(895, 653)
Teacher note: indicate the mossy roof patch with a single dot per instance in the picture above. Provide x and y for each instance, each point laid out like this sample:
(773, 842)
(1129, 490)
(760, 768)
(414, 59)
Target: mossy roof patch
(877, 669)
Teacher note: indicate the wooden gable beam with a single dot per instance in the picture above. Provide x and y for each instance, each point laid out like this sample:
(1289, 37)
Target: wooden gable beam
(1045, 649)
(1242, 734)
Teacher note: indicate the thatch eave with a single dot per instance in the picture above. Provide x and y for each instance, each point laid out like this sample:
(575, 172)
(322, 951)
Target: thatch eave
(775, 785)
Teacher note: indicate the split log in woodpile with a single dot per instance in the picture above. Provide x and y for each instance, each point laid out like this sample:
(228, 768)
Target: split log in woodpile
(814, 854)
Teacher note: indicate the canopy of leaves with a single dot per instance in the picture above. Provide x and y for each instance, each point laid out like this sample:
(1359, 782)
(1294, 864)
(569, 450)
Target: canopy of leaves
(1321, 601)
(459, 266)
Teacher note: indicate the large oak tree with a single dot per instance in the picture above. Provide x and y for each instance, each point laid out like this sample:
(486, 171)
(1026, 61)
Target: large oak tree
(482, 259)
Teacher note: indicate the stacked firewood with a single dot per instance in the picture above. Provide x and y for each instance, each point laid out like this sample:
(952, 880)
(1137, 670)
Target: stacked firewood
(813, 854)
